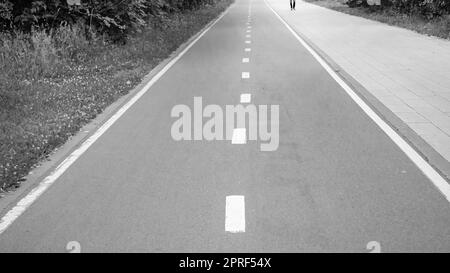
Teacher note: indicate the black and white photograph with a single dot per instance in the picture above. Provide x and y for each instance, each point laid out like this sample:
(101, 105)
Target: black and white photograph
(229, 135)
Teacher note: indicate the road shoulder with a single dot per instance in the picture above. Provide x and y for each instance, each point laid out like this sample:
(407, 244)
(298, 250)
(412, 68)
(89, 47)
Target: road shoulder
(45, 168)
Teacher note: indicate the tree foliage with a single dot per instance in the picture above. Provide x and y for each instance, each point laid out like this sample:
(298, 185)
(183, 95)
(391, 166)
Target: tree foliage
(116, 18)
(428, 8)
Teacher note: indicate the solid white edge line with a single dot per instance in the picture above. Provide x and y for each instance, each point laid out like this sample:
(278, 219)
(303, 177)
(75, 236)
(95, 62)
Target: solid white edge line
(413, 155)
(235, 213)
(32, 196)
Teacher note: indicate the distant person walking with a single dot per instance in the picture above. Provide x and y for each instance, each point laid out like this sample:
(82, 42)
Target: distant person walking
(292, 4)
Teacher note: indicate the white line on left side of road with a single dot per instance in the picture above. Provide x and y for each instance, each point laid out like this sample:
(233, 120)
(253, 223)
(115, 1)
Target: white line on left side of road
(437, 180)
(34, 194)
(235, 213)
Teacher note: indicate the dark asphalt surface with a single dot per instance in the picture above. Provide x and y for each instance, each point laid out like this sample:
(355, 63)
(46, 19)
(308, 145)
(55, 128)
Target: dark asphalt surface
(335, 183)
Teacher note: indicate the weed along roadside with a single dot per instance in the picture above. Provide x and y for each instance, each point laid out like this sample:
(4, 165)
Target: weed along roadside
(57, 76)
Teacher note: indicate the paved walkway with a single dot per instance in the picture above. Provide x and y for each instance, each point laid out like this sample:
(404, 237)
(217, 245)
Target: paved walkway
(408, 72)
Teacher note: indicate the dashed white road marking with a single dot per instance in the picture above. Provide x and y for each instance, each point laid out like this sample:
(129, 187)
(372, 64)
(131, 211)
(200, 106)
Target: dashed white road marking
(32, 196)
(239, 136)
(438, 181)
(246, 75)
(248, 42)
(245, 60)
(246, 98)
(249, 31)
(248, 49)
(248, 36)
(235, 213)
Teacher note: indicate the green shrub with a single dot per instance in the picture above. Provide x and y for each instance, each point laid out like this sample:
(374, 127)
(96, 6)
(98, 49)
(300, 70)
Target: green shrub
(115, 18)
(429, 9)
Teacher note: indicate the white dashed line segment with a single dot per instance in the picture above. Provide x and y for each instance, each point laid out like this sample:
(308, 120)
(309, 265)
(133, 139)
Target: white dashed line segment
(246, 98)
(235, 214)
(239, 136)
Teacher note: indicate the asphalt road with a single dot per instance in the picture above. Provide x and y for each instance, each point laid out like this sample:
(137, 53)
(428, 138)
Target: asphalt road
(335, 183)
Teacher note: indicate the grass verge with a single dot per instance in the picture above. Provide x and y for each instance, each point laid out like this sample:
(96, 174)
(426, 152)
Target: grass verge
(439, 27)
(52, 84)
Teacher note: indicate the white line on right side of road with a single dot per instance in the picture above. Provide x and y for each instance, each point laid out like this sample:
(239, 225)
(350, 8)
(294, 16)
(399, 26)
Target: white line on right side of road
(413, 155)
(34, 194)
(235, 213)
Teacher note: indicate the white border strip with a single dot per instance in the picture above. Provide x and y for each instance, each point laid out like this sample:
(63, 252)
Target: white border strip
(415, 157)
(32, 196)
